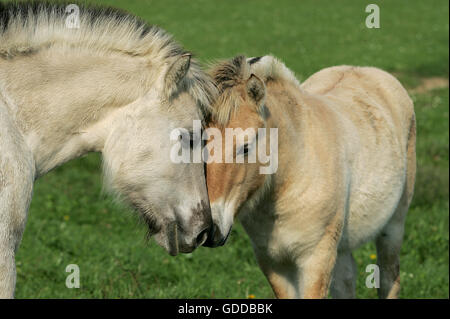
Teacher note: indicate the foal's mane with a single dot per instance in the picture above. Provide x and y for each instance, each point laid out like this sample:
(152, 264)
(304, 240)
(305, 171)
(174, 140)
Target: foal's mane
(31, 26)
(230, 73)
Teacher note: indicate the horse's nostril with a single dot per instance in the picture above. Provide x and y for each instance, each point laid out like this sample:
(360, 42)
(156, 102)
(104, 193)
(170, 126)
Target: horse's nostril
(211, 235)
(201, 238)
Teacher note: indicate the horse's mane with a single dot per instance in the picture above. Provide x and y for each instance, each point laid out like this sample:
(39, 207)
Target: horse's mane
(26, 27)
(31, 26)
(230, 73)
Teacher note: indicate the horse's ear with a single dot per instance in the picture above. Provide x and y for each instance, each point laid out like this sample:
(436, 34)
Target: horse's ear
(256, 89)
(176, 72)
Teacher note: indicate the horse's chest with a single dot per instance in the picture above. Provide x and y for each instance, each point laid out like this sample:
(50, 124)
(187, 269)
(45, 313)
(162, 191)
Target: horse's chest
(270, 234)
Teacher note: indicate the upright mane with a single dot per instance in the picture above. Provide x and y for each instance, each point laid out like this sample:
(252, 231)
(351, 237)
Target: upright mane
(29, 27)
(230, 73)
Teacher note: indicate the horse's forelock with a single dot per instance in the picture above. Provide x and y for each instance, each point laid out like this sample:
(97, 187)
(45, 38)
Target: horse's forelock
(228, 74)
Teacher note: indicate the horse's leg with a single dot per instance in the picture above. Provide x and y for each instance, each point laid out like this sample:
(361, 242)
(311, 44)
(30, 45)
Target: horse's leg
(16, 183)
(388, 250)
(343, 283)
(389, 241)
(388, 244)
(317, 267)
(281, 276)
(316, 271)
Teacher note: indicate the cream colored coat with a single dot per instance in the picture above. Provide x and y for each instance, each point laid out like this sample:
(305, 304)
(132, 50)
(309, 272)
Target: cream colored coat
(115, 88)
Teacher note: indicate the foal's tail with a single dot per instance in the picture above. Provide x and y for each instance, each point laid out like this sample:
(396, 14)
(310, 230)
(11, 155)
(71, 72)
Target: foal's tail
(411, 161)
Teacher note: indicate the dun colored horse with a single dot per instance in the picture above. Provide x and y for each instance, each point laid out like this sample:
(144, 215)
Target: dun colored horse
(346, 170)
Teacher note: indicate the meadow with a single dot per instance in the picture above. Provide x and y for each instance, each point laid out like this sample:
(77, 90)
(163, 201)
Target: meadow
(72, 222)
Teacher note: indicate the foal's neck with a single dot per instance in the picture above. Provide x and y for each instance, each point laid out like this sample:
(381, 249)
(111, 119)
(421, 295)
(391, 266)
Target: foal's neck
(284, 102)
(305, 123)
(64, 104)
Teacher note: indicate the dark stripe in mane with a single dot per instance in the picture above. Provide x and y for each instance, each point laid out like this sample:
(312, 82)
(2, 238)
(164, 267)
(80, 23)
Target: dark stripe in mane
(28, 27)
(254, 60)
(21, 10)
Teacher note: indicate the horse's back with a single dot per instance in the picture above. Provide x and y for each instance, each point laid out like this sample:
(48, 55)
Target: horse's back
(346, 81)
(372, 99)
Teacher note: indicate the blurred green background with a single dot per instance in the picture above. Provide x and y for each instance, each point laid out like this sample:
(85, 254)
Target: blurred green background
(70, 222)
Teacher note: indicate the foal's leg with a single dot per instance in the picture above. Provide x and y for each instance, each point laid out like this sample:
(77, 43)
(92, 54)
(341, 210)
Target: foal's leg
(316, 271)
(16, 183)
(316, 268)
(343, 283)
(281, 276)
(389, 241)
(388, 245)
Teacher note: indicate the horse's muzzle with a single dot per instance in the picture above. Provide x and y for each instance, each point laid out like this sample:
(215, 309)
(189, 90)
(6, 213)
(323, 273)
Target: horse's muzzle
(215, 238)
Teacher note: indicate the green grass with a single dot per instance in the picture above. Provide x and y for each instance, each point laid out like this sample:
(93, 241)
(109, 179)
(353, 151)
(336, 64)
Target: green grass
(70, 222)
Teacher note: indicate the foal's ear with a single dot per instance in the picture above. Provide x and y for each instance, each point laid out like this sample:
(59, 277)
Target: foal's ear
(176, 72)
(256, 89)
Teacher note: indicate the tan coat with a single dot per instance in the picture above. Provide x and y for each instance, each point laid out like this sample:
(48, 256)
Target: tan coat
(346, 153)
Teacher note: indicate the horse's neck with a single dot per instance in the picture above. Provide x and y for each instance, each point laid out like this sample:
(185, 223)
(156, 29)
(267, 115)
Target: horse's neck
(308, 134)
(60, 103)
(285, 102)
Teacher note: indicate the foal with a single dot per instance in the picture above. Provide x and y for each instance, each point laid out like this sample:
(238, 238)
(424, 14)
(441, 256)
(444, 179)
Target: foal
(346, 170)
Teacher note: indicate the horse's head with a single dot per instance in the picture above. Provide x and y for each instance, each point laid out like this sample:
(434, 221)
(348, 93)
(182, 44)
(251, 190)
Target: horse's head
(234, 172)
(171, 197)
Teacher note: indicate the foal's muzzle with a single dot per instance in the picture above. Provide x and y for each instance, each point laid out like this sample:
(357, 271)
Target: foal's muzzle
(215, 238)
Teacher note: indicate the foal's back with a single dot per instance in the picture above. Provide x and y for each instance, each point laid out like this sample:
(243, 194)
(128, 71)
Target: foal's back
(369, 90)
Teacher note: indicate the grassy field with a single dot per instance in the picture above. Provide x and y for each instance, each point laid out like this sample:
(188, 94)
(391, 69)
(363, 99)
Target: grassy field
(70, 222)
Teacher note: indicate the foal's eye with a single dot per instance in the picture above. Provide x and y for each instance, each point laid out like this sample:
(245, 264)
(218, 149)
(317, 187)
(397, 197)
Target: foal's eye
(244, 149)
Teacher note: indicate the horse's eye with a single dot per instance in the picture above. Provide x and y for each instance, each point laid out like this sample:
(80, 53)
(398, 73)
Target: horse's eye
(185, 137)
(191, 140)
(245, 149)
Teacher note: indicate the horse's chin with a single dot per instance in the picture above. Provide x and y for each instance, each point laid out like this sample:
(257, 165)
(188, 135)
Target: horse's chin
(164, 234)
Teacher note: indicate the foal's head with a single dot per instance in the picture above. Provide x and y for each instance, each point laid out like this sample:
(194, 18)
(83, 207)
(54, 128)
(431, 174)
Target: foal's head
(240, 106)
(171, 197)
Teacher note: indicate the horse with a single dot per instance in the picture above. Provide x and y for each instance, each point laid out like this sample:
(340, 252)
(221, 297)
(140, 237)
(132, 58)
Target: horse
(105, 82)
(346, 171)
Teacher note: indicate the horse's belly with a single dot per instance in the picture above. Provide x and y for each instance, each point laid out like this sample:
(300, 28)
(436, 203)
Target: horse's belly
(372, 203)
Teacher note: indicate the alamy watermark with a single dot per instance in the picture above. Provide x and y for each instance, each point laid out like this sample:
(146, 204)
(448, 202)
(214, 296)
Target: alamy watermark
(73, 279)
(373, 19)
(251, 146)
(73, 19)
(373, 279)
